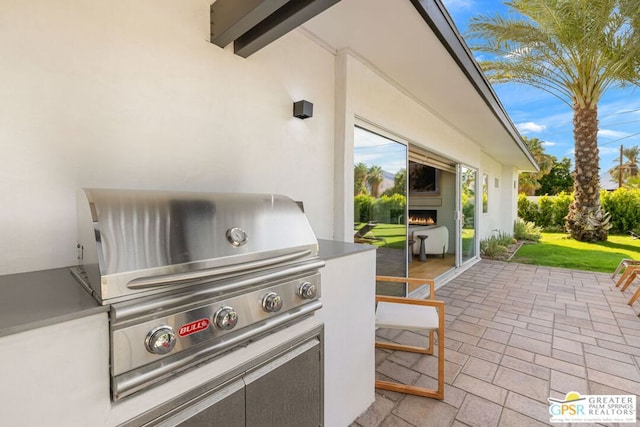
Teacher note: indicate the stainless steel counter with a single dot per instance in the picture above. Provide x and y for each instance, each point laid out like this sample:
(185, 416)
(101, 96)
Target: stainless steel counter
(330, 249)
(42, 298)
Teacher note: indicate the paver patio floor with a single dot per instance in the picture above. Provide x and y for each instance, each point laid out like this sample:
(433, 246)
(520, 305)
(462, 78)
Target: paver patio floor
(515, 335)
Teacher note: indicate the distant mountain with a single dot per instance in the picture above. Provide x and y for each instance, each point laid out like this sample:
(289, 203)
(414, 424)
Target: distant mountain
(388, 180)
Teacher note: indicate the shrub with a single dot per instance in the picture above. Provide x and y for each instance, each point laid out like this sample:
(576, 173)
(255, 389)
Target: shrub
(561, 204)
(624, 207)
(549, 212)
(388, 209)
(363, 207)
(497, 245)
(504, 238)
(526, 230)
(492, 247)
(545, 211)
(527, 210)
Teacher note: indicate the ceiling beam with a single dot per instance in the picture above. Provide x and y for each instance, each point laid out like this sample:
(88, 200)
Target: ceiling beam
(253, 24)
(232, 18)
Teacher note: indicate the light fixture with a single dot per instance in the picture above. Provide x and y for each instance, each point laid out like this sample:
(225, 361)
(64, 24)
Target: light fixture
(302, 109)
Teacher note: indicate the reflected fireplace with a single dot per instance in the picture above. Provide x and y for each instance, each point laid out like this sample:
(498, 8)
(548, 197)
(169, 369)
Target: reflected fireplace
(423, 217)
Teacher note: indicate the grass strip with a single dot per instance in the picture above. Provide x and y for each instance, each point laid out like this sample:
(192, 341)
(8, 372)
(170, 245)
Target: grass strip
(559, 250)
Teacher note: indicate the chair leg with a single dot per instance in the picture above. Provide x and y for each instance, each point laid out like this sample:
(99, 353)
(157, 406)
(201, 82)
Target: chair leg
(411, 389)
(627, 279)
(620, 266)
(623, 277)
(635, 296)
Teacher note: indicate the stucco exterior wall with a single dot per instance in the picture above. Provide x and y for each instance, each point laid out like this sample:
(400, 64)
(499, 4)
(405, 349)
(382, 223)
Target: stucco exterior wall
(502, 201)
(132, 95)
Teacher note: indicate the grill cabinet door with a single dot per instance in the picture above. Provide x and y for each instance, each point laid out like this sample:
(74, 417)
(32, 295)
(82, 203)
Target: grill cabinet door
(225, 407)
(287, 392)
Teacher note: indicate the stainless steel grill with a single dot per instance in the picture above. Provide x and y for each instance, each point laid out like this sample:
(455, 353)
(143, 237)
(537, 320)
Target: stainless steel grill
(190, 276)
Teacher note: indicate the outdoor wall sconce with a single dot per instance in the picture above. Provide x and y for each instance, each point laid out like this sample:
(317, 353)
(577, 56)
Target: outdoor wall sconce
(302, 109)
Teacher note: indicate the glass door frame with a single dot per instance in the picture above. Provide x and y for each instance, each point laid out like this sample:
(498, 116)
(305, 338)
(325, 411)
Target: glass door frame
(459, 217)
(375, 130)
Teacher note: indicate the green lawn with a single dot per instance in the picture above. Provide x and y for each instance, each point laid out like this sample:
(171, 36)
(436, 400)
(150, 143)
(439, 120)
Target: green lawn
(558, 250)
(389, 235)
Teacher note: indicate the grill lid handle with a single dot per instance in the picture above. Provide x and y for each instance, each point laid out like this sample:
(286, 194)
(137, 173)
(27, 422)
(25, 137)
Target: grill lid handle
(172, 279)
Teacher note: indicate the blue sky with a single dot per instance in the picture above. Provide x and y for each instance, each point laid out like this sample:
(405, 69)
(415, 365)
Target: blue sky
(537, 114)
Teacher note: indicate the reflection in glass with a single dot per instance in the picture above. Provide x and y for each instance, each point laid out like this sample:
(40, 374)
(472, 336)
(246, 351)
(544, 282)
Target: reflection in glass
(485, 193)
(380, 190)
(468, 182)
(423, 180)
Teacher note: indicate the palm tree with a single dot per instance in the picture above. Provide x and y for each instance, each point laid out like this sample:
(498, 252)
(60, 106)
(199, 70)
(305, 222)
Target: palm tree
(529, 182)
(360, 174)
(574, 50)
(622, 172)
(375, 178)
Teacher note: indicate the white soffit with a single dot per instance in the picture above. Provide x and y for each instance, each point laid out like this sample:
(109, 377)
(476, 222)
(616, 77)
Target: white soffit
(393, 37)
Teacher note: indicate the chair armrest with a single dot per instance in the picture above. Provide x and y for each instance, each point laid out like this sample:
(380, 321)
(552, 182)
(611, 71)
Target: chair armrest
(411, 280)
(412, 301)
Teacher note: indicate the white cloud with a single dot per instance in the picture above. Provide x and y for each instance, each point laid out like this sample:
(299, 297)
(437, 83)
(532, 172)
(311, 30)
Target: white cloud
(612, 133)
(549, 144)
(530, 127)
(608, 149)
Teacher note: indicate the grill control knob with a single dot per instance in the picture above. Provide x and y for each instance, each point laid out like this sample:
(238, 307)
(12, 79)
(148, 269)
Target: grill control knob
(160, 340)
(271, 302)
(225, 318)
(307, 290)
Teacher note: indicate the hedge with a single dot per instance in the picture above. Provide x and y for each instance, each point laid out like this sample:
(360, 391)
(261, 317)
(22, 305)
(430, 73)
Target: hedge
(624, 207)
(549, 211)
(386, 209)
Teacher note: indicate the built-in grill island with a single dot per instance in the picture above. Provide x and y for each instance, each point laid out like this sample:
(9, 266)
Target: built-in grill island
(190, 277)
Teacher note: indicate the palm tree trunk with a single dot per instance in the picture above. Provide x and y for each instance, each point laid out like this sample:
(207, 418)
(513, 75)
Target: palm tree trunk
(586, 221)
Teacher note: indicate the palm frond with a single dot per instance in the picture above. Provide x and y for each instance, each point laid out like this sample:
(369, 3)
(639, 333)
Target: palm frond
(573, 49)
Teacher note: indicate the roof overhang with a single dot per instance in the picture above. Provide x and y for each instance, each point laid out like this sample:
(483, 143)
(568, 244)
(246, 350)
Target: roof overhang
(415, 45)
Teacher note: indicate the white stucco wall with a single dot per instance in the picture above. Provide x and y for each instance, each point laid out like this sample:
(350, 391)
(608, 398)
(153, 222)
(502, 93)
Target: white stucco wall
(132, 95)
(503, 199)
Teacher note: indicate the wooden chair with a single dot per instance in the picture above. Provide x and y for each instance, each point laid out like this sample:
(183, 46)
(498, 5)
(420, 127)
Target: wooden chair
(627, 278)
(415, 315)
(634, 273)
(626, 266)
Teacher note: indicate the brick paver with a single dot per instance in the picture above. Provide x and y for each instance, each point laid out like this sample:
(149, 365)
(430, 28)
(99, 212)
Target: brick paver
(515, 335)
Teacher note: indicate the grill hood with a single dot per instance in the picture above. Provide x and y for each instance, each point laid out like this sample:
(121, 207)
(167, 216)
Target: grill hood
(134, 242)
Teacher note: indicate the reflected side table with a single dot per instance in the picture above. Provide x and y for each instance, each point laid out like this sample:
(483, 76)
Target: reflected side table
(423, 252)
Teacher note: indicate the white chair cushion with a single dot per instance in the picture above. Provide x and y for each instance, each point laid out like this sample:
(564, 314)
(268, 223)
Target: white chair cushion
(406, 316)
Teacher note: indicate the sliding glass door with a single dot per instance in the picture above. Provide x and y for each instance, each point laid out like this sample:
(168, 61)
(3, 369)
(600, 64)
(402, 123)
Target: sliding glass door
(467, 213)
(380, 200)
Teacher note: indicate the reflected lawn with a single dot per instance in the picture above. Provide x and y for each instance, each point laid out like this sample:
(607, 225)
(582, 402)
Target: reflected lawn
(392, 236)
